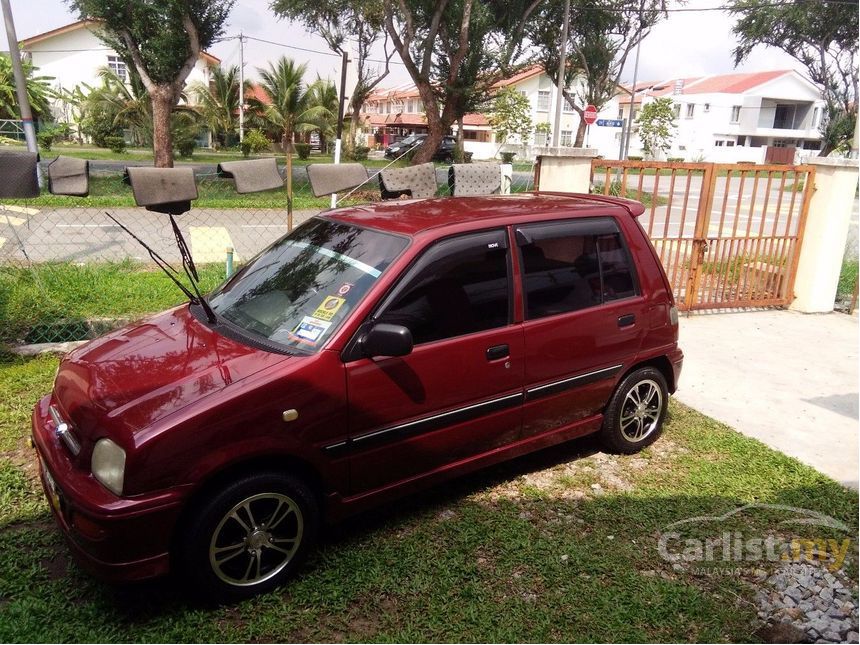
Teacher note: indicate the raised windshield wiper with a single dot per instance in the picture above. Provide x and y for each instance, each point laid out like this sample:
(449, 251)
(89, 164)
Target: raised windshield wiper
(187, 265)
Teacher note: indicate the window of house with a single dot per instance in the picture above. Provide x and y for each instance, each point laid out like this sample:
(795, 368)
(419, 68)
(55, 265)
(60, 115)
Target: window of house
(691, 110)
(676, 110)
(388, 108)
(117, 66)
(543, 100)
(719, 143)
(419, 106)
(620, 114)
(707, 107)
(729, 143)
(540, 137)
(566, 138)
(568, 107)
(571, 266)
(736, 113)
(459, 286)
(816, 117)
(410, 106)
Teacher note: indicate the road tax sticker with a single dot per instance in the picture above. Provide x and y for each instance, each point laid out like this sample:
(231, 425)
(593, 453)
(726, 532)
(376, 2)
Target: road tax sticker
(344, 289)
(328, 308)
(311, 329)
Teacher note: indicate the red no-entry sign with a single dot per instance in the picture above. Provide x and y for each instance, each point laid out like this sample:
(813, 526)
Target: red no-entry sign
(590, 114)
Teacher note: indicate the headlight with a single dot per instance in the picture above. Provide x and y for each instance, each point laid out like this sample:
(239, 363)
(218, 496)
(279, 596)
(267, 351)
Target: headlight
(108, 465)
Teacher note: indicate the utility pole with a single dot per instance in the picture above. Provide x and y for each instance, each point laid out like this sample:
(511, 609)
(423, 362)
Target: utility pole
(20, 80)
(241, 87)
(562, 64)
(633, 93)
(340, 108)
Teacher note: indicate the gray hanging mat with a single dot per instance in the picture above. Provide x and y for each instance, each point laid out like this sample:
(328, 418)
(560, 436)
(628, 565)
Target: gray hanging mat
(419, 181)
(471, 179)
(18, 174)
(162, 190)
(328, 178)
(69, 176)
(253, 175)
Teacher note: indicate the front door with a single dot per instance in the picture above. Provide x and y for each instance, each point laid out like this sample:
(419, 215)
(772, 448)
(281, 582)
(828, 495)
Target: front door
(459, 392)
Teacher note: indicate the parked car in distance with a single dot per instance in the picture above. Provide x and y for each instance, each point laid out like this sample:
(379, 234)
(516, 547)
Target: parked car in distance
(445, 151)
(372, 352)
(398, 148)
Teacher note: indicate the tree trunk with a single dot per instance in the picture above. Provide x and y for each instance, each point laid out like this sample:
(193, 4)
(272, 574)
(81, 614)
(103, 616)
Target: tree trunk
(162, 137)
(353, 127)
(459, 154)
(580, 133)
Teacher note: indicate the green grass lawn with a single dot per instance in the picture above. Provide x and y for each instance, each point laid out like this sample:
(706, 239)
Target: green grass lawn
(558, 546)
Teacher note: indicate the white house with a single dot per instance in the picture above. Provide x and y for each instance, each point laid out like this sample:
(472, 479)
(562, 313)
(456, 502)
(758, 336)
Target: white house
(73, 54)
(735, 117)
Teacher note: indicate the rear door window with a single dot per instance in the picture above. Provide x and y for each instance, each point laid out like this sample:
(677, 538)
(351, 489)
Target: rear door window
(573, 265)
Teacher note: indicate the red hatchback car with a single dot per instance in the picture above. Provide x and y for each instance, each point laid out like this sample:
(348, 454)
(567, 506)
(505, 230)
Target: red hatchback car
(373, 351)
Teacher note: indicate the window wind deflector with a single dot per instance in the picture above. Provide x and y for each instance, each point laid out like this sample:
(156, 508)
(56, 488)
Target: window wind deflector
(531, 233)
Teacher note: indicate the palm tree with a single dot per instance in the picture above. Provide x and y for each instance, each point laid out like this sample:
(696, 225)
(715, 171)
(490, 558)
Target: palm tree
(219, 102)
(290, 105)
(323, 101)
(38, 90)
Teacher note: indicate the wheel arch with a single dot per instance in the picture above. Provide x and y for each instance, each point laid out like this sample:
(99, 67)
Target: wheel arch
(660, 363)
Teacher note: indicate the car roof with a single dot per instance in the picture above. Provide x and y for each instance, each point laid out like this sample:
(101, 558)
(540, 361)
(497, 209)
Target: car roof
(414, 216)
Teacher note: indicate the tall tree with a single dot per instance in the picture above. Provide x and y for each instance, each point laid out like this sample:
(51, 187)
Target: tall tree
(823, 37)
(322, 117)
(218, 102)
(434, 40)
(657, 126)
(289, 107)
(601, 37)
(162, 40)
(38, 90)
(338, 22)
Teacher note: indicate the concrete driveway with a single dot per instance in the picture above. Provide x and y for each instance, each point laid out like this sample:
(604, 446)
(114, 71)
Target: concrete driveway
(785, 378)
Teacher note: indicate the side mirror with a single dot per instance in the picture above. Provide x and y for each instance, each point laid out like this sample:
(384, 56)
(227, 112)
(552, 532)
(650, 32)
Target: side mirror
(387, 340)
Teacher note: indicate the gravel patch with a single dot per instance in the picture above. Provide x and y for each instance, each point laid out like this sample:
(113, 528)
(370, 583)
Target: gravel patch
(803, 602)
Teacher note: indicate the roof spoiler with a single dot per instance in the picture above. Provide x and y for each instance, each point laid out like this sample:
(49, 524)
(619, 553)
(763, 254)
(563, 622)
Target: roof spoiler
(630, 205)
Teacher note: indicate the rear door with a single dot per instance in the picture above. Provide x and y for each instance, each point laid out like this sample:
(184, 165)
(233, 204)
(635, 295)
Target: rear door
(584, 316)
(459, 393)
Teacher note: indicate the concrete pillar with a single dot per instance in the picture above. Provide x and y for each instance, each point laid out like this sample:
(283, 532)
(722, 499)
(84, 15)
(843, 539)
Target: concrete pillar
(826, 233)
(566, 170)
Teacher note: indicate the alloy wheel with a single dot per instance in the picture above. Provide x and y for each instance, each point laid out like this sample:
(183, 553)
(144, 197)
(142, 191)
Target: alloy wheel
(641, 410)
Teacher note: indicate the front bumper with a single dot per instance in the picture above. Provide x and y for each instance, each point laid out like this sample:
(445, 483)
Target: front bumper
(115, 538)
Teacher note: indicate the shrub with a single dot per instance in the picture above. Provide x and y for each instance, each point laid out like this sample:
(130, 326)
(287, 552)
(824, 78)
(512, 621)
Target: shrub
(467, 156)
(508, 157)
(116, 144)
(254, 141)
(185, 146)
(675, 159)
(303, 150)
(634, 158)
(46, 139)
(360, 153)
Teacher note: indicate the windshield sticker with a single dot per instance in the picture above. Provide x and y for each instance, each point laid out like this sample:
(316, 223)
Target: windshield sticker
(310, 329)
(344, 289)
(358, 264)
(328, 308)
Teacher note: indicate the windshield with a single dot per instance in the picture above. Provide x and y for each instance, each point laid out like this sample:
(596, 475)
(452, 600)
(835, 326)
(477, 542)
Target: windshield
(412, 138)
(300, 289)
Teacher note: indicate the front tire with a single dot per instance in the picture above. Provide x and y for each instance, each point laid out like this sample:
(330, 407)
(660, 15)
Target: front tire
(635, 414)
(248, 537)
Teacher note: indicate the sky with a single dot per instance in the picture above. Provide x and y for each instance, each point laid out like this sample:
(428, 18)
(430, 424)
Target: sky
(689, 43)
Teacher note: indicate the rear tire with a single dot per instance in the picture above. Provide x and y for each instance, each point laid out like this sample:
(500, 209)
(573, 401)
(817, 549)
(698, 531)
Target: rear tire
(635, 414)
(248, 537)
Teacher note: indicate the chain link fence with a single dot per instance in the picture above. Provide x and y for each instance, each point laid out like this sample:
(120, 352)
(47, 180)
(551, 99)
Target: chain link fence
(68, 272)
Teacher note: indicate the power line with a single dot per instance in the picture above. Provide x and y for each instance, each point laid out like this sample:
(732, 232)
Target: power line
(305, 49)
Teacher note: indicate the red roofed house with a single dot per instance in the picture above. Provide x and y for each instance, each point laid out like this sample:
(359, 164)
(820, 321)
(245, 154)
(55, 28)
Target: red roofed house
(735, 117)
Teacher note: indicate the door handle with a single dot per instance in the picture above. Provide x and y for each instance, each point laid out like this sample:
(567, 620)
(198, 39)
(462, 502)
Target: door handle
(626, 320)
(497, 352)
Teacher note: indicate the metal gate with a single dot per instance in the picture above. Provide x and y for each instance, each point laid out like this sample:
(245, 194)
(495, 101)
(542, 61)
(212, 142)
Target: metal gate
(728, 235)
